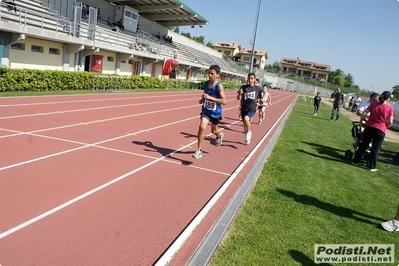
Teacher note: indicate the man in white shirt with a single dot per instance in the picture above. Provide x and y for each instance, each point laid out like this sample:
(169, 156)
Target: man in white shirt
(356, 103)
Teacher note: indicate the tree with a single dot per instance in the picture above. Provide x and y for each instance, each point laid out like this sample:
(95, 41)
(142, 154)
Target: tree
(209, 44)
(348, 80)
(336, 77)
(186, 34)
(395, 91)
(275, 68)
(199, 39)
(176, 29)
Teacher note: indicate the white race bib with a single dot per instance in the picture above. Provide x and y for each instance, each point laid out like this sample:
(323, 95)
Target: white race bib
(249, 95)
(210, 105)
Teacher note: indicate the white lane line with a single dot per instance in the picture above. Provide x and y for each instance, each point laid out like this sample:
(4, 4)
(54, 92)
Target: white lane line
(84, 101)
(90, 145)
(97, 121)
(178, 243)
(128, 152)
(66, 204)
(95, 108)
(85, 145)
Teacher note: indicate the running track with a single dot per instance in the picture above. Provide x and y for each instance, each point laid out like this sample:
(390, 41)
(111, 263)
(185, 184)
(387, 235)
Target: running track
(109, 179)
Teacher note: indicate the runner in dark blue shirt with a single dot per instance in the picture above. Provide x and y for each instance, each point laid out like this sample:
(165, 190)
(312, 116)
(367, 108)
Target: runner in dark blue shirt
(212, 100)
(316, 103)
(248, 95)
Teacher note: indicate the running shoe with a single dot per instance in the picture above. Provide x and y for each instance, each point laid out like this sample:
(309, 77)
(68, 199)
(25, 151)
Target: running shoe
(373, 170)
(260, 122)
(219, 140)
(391, 225)
(197, 154)
(248, 136)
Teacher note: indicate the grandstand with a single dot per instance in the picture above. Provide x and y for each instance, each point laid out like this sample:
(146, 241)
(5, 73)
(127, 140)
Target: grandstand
(71, 36)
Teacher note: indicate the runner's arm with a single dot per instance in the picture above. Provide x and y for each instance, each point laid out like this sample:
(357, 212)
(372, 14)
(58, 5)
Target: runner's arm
(239, 93)
(389, 121)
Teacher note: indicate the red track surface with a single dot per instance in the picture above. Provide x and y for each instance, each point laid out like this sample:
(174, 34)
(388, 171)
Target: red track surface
(109, 179)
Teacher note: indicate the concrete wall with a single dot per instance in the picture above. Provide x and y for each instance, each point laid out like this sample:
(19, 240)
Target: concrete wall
(40, 60)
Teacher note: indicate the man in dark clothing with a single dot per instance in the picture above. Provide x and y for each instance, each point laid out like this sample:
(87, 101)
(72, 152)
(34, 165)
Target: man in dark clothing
(338, 102)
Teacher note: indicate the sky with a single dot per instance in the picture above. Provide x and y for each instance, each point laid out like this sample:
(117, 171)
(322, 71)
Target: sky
(360, 37)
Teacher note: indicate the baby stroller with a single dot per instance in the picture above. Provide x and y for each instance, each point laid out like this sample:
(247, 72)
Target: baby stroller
(357, 137)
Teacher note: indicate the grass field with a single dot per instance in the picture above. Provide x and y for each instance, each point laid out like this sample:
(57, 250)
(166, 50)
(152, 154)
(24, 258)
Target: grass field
(308, 193)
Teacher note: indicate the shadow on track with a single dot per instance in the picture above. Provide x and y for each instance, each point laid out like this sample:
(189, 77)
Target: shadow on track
(167, 153)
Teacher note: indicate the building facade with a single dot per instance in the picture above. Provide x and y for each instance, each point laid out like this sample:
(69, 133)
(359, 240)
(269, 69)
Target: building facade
(304, 69)
(238, 54)
(43, 35)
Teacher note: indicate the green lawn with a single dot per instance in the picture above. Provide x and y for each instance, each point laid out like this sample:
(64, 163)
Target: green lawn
(308, 193)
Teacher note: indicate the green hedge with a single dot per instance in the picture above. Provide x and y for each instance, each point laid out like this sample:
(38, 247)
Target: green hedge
(43, 80)
(13, 80)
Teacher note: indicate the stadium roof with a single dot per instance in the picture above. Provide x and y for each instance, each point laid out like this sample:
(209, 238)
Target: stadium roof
(169, 13)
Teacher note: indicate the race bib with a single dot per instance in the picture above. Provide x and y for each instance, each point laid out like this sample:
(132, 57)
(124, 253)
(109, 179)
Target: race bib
(210, 105)
(249, 95)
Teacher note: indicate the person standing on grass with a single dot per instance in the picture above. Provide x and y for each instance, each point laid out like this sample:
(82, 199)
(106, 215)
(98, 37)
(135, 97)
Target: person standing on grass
(264, 101)
(212, 100)
(392, 225)
(338, 102)
(249, 94)
(316, 103)
(380, 119)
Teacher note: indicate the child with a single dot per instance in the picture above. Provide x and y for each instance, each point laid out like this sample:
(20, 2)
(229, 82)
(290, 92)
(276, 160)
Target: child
(264, 102)
(316, 103)
(249, 94)
(212, 100)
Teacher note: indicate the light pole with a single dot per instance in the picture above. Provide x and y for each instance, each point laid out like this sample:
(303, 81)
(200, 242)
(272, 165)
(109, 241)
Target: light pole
(216, 37)
(254, 39)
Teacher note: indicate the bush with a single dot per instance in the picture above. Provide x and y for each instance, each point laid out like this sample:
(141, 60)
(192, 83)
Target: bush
(55, 80)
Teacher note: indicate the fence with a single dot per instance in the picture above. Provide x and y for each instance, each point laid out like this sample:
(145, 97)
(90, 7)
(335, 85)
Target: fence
(112, 83)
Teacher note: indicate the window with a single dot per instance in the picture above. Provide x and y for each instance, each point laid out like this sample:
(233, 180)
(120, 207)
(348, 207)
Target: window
(36, 49)
(18, 46)
(131, 15)
(227, 52)
(131, 62)
(123, 61)
(110, 59)
(54, 51)
(246, 58)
